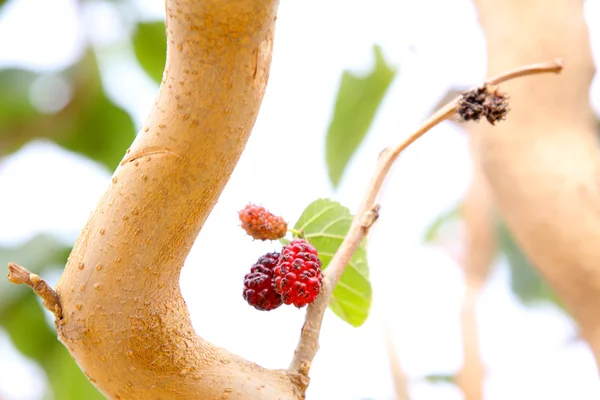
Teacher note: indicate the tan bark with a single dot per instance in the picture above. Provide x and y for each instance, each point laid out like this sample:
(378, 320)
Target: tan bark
(543, 162)
(125, 322)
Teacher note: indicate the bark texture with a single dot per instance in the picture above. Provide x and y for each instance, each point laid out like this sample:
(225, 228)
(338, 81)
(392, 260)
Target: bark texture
(125, 322)
(543, 163)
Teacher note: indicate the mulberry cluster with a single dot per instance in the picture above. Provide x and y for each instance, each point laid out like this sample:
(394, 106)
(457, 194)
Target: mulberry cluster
(290, 277)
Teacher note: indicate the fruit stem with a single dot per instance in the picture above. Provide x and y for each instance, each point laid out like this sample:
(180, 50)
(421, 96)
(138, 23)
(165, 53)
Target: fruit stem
(297, 233)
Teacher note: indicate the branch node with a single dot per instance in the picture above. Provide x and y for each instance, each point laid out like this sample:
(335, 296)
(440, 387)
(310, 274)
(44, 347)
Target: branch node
(20, 275)
(300, 380)
(369, 218)
(304, 368)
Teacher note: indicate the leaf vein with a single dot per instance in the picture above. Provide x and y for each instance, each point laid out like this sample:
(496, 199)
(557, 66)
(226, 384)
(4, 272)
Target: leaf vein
(364, 295)
(317, 215)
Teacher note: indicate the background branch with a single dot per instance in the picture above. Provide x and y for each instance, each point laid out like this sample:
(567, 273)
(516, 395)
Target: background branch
(308, 344)
(480, 249)
(398, 375)
(543, 164)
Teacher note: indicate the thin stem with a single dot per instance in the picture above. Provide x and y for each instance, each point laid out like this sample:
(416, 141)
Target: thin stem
(532, 69)
(297, 233)
(308, 344)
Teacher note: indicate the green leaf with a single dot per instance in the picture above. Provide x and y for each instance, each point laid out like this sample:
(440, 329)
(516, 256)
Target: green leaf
(36, 255)
(150, 45)
(525, 281)
(433, 232)
(357, 102)
(325, 224)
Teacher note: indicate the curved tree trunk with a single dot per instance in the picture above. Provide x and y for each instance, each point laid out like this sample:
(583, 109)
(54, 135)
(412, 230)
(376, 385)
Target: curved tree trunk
(543, 163)
(124, 320)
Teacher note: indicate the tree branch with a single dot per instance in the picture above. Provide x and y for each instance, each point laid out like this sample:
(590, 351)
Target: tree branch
(308, 344)
(20, 275)
(543, 165)
(124, 320)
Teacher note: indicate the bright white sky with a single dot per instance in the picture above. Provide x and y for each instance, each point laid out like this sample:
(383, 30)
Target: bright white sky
(417, 289)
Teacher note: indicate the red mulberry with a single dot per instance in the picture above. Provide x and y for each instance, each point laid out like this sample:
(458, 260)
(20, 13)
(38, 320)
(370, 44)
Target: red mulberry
(259, 288)
(298, 277)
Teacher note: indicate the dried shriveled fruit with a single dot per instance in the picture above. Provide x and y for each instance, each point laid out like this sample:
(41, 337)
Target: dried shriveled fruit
(485, 101)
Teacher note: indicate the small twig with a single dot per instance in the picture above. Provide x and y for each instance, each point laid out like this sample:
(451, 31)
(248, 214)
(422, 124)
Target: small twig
(554, 66)
(308, 344)
(19, 275)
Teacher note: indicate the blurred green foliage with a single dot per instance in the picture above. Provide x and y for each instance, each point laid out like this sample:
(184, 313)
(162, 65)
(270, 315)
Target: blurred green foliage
(97, 127)
(150, 45)
(38, 254)
(31, 334)
(92, 124)
(433, 232)
(525, 282)
(440, 378)
(24, 319)
(15, 107)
